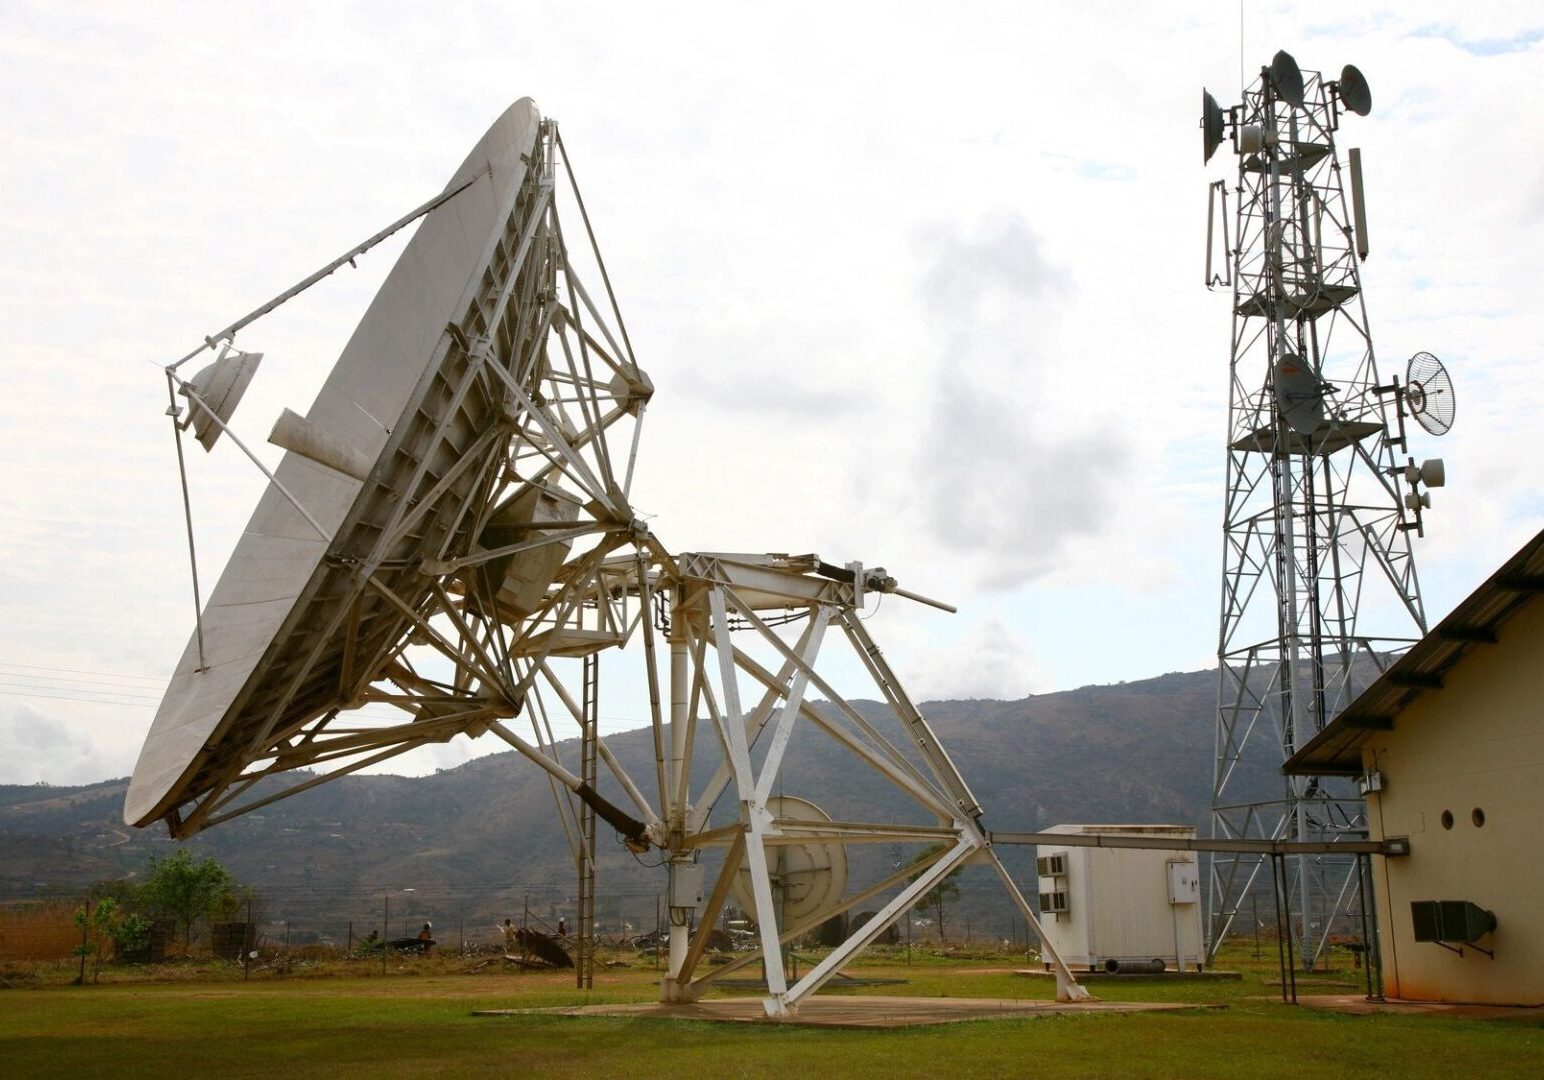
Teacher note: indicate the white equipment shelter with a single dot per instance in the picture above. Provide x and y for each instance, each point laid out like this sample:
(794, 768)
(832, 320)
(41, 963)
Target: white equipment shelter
(1122, 909)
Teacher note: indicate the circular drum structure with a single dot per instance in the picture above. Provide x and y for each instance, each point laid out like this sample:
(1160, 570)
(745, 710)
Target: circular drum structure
(808, 878)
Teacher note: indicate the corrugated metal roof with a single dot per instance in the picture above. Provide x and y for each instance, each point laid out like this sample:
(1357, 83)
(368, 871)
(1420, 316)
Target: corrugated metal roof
(1337, 750)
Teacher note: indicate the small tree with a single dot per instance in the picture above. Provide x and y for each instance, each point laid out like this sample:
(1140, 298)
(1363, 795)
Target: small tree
(937, 899)
(184, 889)
(103, 927)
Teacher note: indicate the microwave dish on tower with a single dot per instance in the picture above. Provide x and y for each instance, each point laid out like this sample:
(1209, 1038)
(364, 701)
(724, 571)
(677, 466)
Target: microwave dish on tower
(1211, 126)
(1354, 92)
(449, 548)
(1287, 79)
(1429, 393)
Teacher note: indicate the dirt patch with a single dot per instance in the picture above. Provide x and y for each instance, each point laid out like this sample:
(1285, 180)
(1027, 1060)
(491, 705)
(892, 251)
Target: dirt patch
(1356, 1005)
(854, 1012)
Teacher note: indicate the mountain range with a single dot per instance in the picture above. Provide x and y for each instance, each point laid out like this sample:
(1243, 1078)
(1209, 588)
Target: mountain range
(479, 842)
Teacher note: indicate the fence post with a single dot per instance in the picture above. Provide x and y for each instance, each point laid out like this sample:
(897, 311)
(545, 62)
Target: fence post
(84, 935)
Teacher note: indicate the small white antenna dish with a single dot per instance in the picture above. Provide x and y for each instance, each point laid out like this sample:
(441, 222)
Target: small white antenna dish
(1431, 472)
(1428, 393)
(1252, 138)
(218, 388)
(1299, 395)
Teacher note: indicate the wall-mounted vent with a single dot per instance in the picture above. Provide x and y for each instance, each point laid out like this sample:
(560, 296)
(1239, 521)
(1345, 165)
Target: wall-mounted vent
(1455, 921)
(1053, 903)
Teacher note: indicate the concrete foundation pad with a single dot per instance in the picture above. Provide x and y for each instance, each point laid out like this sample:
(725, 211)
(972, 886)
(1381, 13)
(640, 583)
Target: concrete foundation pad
(1357, 1005)
(853, 1012)
(1116, 978)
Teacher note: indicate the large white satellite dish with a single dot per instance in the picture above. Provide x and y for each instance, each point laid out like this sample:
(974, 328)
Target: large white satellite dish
(328, 578)
(448, 546)
(274, 650)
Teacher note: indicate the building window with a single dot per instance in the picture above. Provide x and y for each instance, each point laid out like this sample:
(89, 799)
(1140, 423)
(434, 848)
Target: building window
(1447, 819)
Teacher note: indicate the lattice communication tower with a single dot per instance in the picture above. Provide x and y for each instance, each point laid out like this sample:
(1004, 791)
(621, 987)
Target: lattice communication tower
(1319, 586)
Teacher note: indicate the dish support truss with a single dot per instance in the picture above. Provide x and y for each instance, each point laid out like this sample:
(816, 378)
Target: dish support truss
(1319, 589)
(511, 560)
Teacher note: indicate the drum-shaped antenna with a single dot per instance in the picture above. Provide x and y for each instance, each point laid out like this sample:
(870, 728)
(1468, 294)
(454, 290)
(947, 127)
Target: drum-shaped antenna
(1287, 79)
(808, 879)
(1299, 395)
(1211, 126)
(1354, 92)
(219, 386)
(1429, 393)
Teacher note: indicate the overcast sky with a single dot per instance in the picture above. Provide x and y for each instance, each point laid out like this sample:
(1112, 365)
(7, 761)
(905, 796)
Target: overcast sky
(918, 285)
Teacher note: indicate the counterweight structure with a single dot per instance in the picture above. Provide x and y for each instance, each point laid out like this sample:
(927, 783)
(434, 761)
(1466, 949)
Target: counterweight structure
(1319, 587)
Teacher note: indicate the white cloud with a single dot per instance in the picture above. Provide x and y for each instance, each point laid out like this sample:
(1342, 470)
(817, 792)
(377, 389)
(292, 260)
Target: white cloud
(988, 660)
(1039, 426)
(38, 746)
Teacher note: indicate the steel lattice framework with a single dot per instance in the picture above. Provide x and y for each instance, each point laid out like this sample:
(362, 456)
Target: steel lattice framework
(1319, 587)
(468, 578)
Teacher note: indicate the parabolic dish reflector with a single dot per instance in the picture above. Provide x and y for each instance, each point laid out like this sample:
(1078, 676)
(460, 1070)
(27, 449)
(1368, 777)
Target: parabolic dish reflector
(1354, 91)
(1429, 393)
(1287, 78)
(1211, 126)
(289, 625)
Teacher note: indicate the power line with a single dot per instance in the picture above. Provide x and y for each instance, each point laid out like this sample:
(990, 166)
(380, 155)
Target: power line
(32, 682)
(78, 671)
(86, 700)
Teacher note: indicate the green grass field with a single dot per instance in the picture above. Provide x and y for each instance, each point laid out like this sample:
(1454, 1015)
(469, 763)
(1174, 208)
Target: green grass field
(343, 1019)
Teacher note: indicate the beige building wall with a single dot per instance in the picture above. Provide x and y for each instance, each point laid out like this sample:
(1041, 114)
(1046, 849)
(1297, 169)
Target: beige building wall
(1470, 752)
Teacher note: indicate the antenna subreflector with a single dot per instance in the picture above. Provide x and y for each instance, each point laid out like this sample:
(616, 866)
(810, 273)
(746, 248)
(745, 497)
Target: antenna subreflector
(1211, 125)
(1355, 95)
(1429, 393)
(1287, 79)
(219, 388)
